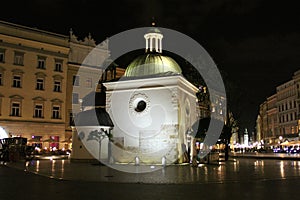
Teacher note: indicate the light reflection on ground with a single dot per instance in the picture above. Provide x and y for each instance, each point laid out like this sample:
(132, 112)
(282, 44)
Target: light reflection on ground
(232, 171)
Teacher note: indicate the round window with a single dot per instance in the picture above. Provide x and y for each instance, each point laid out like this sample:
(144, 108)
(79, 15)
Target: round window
(140, 106)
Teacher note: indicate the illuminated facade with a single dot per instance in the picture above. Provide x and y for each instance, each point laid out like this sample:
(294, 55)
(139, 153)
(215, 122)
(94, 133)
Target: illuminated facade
(152, 108)
(38, 71)
(279, 114)
(33, 71)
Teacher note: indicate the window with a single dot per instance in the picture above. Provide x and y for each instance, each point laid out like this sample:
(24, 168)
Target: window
(71, 119)
(38, 111)
(15, 109)
(279, 119)
(41, 62)
(19, 58)
(57, 86)
(56, 112)
(1, 96)
(16, 81)
(58, 65)
(1, 75)
(57, 80)
(40, 84)
(76, 80)
(88, 83)
(291, 117)
(75, 98)
(2, 55)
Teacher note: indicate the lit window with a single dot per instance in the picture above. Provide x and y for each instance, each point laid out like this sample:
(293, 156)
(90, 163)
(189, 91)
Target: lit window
(76, 80)
(40, 84)
(38, 111)
(41, 62)
(75, 98)
(19, 58)
(15, 109)
(16, 81)
(56, 112)
(57, 86)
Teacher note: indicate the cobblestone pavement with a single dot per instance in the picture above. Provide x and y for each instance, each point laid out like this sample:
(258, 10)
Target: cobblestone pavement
(234, 170)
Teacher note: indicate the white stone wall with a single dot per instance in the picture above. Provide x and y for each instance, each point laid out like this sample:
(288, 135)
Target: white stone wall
(84, 149)
(158, 131)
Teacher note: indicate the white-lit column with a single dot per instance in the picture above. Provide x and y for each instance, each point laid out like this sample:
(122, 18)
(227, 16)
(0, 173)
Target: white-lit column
(156, 44)
(147, 44)
(151, 44)
(160, 45)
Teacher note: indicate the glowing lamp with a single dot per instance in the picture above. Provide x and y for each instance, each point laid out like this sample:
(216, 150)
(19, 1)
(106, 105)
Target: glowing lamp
(3, 133)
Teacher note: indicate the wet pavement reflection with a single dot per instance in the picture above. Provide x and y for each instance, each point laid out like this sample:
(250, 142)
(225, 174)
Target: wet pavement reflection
(234, 170)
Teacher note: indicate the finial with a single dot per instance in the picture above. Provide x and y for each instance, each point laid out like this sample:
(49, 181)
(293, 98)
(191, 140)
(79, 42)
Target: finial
(153, 22)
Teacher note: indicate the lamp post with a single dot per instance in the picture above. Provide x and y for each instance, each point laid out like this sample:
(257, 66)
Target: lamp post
(280, 139)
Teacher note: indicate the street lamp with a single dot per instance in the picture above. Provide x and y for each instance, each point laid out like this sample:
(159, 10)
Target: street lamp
(280, 139)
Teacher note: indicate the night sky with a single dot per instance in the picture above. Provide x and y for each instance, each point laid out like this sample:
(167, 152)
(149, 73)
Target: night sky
(255, 43)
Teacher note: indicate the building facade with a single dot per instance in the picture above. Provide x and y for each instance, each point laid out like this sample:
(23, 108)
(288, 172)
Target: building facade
(33, 71)
(39, 81)
(151, 108)
(278, 118)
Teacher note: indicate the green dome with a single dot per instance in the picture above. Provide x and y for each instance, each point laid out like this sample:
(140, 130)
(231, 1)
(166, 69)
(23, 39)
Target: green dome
(150, 64)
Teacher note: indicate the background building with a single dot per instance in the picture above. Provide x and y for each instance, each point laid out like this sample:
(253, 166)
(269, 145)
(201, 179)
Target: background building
(33, 75)
(279, 114)
(38, 82)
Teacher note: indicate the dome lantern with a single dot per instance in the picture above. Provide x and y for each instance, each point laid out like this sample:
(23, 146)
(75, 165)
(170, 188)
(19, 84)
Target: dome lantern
(153, 62)
(153, 40)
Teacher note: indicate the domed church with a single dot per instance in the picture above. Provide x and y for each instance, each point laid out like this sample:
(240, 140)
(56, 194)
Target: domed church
(152, 108)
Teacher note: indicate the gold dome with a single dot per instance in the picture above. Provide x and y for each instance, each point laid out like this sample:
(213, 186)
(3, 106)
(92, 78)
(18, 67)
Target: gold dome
(151, 64)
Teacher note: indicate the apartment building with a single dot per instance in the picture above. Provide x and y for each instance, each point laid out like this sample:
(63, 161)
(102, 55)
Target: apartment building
(40, 87)
(279, 114)
(33, 78)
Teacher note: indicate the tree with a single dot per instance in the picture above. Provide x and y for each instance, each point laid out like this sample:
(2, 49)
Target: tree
(99, 135)
(229, 128)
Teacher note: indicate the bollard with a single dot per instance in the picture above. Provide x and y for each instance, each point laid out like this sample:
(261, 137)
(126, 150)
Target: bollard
(137, 160)
(164, 161)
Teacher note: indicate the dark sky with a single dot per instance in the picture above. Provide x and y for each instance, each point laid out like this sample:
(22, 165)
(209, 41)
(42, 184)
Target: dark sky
(255, 43)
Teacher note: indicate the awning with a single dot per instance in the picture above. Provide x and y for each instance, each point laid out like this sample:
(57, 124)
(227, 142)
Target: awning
(93, 117)
(50, 140)
(34, 140)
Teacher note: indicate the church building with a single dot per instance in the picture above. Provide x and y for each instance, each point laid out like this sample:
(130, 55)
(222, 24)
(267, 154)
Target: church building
(151, 110)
